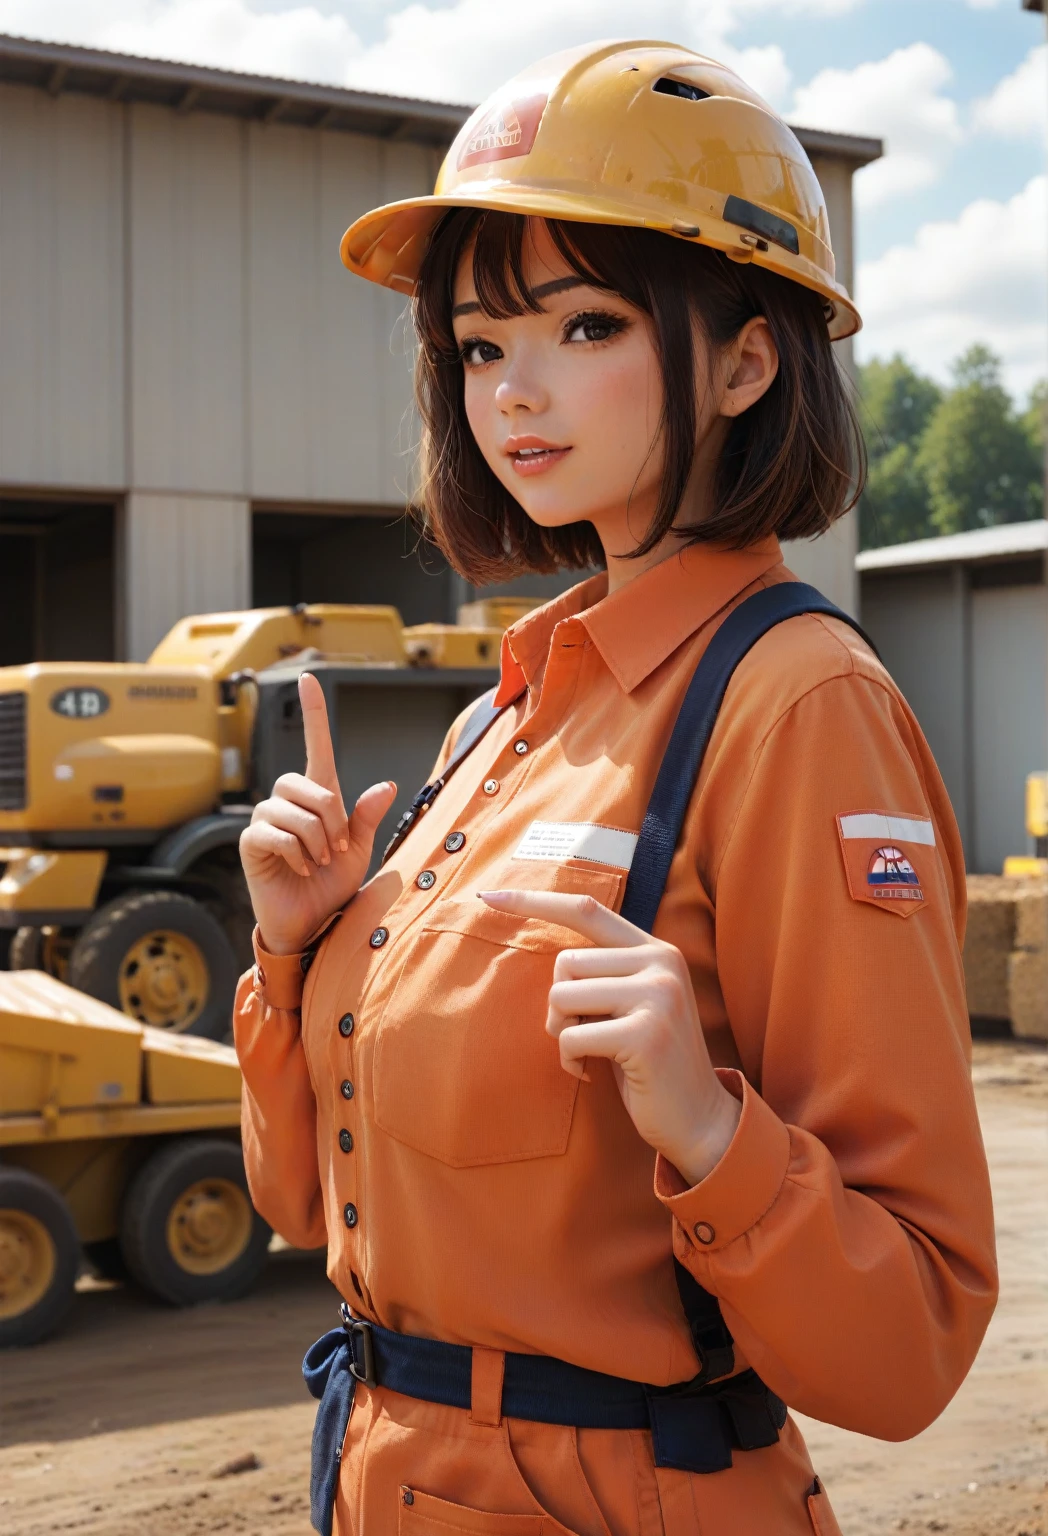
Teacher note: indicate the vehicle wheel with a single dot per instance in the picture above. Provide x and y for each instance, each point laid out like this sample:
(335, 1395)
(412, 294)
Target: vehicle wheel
(161, 958)
(188, 1231)
(42, 949)
(39, 1257)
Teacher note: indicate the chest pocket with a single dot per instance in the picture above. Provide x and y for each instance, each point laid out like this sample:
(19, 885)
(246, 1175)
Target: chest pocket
(464, 1070)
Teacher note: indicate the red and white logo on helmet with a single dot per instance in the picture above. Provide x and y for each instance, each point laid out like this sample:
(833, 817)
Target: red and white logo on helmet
(506, 130)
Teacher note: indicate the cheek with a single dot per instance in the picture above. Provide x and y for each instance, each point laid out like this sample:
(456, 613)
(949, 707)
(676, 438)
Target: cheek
(619, 396)
(481, 411)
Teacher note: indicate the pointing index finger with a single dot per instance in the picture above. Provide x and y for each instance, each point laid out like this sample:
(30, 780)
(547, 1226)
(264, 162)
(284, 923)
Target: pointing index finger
(582, 914)
(320, 754)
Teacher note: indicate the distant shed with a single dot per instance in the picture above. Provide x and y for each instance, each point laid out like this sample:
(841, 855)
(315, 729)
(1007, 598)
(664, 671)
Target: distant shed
(962, 625)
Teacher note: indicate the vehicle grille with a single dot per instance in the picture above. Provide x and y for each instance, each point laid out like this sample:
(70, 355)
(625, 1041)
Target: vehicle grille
(12, 751)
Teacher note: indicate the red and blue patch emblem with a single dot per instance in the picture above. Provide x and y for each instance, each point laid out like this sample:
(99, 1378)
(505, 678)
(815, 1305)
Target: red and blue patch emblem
(893, 876)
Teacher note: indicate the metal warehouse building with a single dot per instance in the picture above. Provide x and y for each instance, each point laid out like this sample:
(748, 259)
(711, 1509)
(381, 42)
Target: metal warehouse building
(199, 408)
(962, 625)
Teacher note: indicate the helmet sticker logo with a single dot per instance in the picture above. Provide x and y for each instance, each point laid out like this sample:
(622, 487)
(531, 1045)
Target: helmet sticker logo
(890, 874)
(508, 129)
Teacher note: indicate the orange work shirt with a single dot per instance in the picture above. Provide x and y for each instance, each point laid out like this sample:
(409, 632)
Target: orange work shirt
(415, 1114)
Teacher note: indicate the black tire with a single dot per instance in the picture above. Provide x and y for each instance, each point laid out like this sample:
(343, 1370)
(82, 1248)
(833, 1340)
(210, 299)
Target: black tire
(150, 1207)
(26, 946)
(41, 949)
(100, 962)
(36, 1232)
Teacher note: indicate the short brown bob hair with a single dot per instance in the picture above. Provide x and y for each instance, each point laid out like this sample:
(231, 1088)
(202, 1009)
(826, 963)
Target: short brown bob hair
(792, 463)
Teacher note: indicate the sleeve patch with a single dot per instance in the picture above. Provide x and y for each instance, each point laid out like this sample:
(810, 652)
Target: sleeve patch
(883, 858)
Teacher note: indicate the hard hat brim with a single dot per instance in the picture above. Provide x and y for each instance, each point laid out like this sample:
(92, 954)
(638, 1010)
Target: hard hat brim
(387, 245)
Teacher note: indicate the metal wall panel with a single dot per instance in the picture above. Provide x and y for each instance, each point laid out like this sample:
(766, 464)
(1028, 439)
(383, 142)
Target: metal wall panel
(187, 410)
(326, 395)
(183, 554)
(918, 623)
(1009, 714)
(61, 291)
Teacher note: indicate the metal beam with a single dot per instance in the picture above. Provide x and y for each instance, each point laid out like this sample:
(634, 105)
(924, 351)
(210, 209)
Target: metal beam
(276, 109)
(188, 99)
(56, 79)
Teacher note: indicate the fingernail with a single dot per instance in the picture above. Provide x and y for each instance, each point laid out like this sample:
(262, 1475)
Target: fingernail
(325, 857)
(343, 845)
(306, 870)
(486, 895)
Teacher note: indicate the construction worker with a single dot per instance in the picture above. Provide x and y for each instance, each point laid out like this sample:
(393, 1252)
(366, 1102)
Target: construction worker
(631, 1095)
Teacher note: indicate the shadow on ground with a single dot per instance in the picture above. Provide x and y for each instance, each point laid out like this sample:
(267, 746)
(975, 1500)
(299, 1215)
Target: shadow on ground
(124, 1361)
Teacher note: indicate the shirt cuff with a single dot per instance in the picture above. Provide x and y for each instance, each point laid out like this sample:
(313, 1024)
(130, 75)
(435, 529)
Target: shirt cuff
(742, 1187)
(279, 979)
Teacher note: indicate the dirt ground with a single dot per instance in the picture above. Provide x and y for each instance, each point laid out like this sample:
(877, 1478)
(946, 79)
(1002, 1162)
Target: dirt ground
(138, 1421)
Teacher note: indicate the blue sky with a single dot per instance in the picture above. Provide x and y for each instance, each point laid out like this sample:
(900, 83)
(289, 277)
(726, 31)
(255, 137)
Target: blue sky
(952, 226)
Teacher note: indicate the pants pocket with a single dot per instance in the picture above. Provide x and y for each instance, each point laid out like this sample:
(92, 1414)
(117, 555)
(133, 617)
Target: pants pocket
(421, 1514)
(824, 1521)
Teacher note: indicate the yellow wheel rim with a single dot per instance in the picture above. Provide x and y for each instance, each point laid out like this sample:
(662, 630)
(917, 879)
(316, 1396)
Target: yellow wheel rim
(209, 1226)
(27, 1262)
(164, 981)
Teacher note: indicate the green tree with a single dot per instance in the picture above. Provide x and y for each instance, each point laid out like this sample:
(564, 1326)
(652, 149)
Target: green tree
(897, 404)
(976, 454)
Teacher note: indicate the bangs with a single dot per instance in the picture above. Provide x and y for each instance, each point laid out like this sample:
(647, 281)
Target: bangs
(498, 262)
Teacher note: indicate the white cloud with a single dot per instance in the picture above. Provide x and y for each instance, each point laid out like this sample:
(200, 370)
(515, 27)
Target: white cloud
(980, 277)
(900, 99)
(1017, 108)
(300, 42)
(456, 52)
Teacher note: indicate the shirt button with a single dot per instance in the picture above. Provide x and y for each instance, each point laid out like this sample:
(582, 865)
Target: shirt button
(345, 1025)
(426, 879)
(378, 938)
(347, 1089)
(349, 1215)
(704, 1232)
(520, 747)
(491, 786)
(454, 841)
(345, 1141)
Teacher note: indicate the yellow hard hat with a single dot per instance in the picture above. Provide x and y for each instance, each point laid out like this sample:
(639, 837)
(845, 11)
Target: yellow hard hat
(637, 133)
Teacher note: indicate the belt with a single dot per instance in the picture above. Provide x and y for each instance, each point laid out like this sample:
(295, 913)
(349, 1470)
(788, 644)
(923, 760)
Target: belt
(693, 1427)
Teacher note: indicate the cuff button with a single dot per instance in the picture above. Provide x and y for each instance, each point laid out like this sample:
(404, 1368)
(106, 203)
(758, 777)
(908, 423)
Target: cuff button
(704, 1233)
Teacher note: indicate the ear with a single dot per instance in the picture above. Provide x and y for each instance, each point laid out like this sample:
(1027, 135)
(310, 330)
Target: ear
(751, 365)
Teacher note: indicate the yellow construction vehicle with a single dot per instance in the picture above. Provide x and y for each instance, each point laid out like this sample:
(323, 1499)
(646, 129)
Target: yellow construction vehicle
(124, 787)
(121, 1143)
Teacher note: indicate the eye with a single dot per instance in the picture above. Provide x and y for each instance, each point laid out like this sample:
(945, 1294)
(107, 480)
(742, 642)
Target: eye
(594, 325)
(475, 353)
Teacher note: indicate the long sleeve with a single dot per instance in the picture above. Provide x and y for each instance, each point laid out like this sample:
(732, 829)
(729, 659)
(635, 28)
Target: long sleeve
(278, 1107)
(848, 1229)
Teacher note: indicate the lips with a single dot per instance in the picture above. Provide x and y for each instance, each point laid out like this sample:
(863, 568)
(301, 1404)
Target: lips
(533, 455)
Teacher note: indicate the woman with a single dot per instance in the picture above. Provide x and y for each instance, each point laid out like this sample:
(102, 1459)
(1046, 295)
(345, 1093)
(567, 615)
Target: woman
(610, 1200)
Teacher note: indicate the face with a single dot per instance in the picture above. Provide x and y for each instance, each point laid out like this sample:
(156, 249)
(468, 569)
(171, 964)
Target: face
(565, 404)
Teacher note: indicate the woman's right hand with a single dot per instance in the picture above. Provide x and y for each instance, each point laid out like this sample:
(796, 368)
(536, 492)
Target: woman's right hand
(303, 857)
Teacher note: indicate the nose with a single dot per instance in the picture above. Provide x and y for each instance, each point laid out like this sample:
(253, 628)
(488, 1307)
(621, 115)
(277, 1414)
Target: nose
(520, 388)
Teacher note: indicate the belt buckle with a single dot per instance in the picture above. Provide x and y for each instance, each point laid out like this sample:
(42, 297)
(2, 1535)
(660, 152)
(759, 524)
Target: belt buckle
(359, 1327)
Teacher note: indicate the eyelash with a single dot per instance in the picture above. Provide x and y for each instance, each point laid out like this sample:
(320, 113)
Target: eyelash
(614, 324)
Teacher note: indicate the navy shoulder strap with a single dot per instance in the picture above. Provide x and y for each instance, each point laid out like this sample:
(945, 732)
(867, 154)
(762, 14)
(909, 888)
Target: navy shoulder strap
(677, 776)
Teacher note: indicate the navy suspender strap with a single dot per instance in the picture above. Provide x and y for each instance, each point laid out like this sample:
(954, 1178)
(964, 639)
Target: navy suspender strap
(484, 715)
(677, 776)
(660, 834)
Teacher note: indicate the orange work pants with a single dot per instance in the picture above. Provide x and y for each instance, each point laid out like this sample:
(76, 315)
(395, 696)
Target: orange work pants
(411, 1468)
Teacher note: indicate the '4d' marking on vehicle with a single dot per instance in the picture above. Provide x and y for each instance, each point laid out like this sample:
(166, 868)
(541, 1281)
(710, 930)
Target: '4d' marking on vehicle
(80, 703)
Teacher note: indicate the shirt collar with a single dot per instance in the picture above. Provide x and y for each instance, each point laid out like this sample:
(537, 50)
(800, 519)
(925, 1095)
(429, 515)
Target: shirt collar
(637, 627)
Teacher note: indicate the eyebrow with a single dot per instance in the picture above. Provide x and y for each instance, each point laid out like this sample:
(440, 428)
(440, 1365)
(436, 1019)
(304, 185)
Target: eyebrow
(543, 291)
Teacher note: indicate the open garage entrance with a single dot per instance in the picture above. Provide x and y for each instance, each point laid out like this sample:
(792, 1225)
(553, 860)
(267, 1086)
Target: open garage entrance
(307, 557)
(57, 581)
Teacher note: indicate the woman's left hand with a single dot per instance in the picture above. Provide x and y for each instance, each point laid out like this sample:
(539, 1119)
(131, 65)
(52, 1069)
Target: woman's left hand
(631, 1001)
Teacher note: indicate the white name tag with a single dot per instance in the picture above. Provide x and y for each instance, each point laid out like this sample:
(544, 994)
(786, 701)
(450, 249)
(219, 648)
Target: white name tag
(562, 840)
(888, 829)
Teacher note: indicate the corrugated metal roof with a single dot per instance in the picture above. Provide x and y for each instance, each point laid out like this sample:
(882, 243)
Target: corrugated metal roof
(58, 67)
(999, 543)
